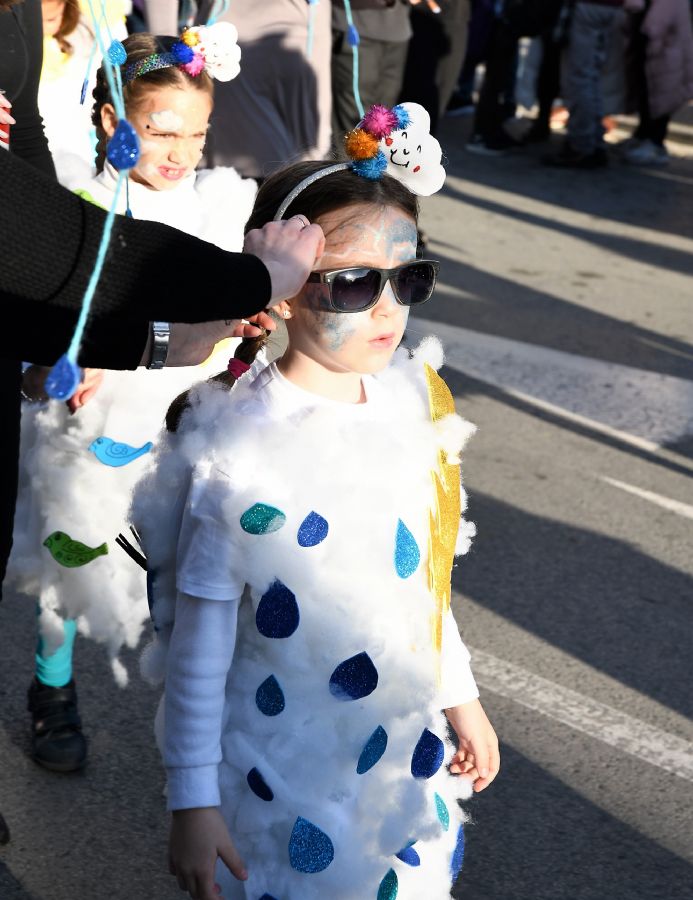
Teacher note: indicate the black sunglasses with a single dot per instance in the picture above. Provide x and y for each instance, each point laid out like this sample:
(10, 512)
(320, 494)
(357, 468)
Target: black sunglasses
(359, 288)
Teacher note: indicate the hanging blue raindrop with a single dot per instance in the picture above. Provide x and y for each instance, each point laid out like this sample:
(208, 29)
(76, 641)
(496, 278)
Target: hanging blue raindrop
(123, 149)
(63, 379)
(312, 530)
(269, 697)
(407, 555)
(354, 678)
(310, 849)
(373, 749)
(428, 755)
(277, 613)
(117, 53)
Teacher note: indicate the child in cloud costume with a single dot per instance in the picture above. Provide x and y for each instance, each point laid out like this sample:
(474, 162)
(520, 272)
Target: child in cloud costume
(300, 531)
(79, 469)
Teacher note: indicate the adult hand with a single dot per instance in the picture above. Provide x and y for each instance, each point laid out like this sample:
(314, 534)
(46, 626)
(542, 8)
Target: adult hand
(88, 386)
(5, 107)
(190, 345)
(289, 249)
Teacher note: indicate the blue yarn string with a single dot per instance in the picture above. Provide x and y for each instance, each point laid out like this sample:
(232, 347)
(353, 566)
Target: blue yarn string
(87, 74)
(215, 13)
(116, 96)
(353, 40)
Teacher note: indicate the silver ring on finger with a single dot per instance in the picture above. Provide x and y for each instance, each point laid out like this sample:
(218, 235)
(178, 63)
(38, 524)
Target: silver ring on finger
(302, 219)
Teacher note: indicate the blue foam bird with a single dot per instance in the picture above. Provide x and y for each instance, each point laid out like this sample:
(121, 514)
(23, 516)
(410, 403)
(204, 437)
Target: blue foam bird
(111, 453)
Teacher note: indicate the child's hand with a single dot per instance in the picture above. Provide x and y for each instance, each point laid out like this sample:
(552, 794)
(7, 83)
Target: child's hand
(478, 756)
(198, 837)
(88, 386)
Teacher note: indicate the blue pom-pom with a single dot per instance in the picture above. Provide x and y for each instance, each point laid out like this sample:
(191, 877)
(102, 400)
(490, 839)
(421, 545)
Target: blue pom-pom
(403, 118)
(182, 53)
(373, 168)
(123, 149)
(117, 54)
(83, 92)
(63, 379)
(353, 38)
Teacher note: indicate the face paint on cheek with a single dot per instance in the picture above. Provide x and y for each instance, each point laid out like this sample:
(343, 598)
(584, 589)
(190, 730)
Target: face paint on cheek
(402, 238)
(167, 120)
(316, 297)
(336, 328)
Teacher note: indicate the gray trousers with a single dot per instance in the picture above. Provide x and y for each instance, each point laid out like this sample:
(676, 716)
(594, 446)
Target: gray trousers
(590, 34)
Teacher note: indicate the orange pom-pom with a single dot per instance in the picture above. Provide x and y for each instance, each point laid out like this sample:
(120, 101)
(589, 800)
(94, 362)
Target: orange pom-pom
(191, 38)
(361, 145)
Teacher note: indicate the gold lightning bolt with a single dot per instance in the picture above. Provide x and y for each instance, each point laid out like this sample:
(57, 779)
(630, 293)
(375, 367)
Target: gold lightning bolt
(445, 517)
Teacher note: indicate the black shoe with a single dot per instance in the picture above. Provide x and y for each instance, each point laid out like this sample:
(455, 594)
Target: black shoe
(539, 132)
(57, 740)
(4, 831)
(460, 105)
(571, 159)
(495, 145)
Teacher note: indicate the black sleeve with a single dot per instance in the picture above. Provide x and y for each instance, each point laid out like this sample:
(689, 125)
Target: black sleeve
(21, 46)
(50, 240)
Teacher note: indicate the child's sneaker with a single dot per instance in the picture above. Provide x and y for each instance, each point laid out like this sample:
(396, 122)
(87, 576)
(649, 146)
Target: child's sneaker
(646, 153)
(57, 740)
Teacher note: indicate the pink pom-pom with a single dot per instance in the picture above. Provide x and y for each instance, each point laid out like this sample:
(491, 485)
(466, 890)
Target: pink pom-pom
(379, 121)
(195, 66)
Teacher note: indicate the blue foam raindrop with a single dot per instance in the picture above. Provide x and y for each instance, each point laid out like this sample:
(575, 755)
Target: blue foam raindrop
(442, 810)
(123, 149)
(354, 678)
(312, 530)
(389, 886)
(310, 849)
(117, 53)
(409, 856)
(63, 379)
(428, 755)
(407, 555)
(83, 92)
(458, 854)
(269, 697)
(373, 749)
(259, 786)
(353, 38)
(277, 613)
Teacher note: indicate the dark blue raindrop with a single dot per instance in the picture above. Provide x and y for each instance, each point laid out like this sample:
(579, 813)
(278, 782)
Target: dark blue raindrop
(354, 678)
(312, 530)
(123, 150)
(373, 749)
(259, 786)
(310, 849)
(409, 856)
(277, 613)
(428, 755)
(269, 697)
(458, 854)
(63, 379)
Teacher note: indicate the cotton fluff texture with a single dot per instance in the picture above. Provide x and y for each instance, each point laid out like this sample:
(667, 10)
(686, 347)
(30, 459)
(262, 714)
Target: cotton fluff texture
(362, 474)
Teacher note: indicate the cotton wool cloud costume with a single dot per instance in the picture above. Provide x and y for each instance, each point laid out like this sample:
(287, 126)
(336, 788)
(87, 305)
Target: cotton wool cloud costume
(78, 471)
(325, 533)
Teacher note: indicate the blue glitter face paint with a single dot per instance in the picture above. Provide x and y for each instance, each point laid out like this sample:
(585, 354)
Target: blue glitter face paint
(354, 678)
(428, 755)
(310, 849)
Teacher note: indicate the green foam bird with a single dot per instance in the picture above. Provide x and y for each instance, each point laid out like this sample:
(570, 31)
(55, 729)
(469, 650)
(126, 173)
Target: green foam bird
(72, 554)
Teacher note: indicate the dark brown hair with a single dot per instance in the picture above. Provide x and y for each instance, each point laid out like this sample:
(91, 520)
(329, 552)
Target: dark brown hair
(68, 23)
(138, 47)
(338, 190)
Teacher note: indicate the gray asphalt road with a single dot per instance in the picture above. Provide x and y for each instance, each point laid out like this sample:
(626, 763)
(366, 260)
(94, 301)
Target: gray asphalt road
(566, 306)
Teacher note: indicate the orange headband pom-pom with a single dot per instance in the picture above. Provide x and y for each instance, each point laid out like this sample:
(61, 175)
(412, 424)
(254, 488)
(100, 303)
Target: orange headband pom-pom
(361, 145)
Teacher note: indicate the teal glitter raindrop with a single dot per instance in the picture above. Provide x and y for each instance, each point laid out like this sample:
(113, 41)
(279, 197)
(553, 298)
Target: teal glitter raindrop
(310, 849)
(407, 555)
(458, 854)
(373, 749)
(354, 678)
(389, 886)
(269, 697)
(277, 614)
(312, 530)
(262, 519)
(442, 810)
(428, 755)
(409, 856)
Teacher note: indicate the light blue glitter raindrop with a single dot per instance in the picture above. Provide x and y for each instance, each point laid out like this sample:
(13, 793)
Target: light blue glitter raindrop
(259, 786)
(63, 379)
(407, 555)
(373, 749)
(442, 810)
(269, 697)
(409, 856)
(123, 149)
(354, 678)
(458, 854)
(310, 849)
(312, 530)
(389, 886)
(262, 519)
(428, 755)
(277, 613)
(117, 53)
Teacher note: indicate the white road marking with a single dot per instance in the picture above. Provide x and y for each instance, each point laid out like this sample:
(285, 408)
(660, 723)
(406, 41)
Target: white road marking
(605, 723)
(675, 506)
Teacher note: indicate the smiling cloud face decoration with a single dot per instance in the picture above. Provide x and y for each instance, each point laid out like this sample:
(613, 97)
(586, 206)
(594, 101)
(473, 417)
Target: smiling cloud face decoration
(413, 155)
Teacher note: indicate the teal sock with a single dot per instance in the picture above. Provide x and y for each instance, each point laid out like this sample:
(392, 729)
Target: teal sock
(56, 670)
